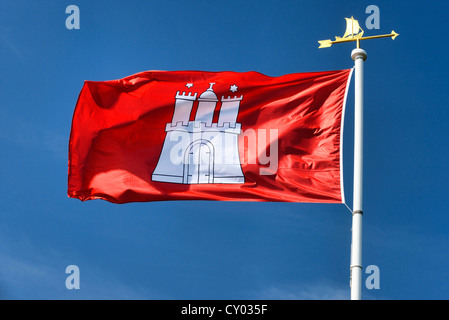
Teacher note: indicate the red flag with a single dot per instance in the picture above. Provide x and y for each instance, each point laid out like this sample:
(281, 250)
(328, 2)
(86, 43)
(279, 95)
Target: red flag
(184, 135)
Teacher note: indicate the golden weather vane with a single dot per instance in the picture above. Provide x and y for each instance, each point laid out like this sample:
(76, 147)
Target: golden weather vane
(353, 33)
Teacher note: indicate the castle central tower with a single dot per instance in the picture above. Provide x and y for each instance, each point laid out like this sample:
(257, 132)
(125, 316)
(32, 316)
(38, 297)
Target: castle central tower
(206, 106)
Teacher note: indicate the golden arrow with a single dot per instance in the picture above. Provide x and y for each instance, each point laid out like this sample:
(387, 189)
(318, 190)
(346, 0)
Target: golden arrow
(353, 33)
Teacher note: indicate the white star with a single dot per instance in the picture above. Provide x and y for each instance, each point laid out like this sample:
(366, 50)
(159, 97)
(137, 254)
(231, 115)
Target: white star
(234, 88)
(189, 85)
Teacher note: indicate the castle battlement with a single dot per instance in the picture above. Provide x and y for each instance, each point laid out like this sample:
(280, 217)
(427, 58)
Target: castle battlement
(183, 96)
(197, 126)
(223, 99)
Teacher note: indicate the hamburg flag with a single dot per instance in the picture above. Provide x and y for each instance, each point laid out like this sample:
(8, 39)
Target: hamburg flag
(193, 135)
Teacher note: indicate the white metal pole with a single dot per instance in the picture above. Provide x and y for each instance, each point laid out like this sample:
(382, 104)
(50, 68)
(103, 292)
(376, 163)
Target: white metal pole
(359, 56)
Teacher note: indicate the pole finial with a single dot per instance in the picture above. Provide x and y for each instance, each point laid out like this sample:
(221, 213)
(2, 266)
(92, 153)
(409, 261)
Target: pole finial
(358, 53)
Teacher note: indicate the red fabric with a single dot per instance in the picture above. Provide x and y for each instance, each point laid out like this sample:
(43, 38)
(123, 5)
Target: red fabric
(119, 129)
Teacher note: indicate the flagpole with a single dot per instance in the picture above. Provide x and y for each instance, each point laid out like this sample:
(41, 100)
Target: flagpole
(359, 56)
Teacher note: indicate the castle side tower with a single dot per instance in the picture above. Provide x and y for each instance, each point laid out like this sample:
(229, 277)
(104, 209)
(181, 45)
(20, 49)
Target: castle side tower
(229, 111)
(183, 108)
(206, 106)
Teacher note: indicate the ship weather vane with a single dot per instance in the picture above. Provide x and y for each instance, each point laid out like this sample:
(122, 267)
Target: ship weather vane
(353, 33)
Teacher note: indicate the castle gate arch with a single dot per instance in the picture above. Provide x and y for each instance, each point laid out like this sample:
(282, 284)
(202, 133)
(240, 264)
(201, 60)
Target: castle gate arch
(199, 163)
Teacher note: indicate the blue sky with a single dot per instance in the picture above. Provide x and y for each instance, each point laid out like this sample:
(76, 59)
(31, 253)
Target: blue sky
(223, 250)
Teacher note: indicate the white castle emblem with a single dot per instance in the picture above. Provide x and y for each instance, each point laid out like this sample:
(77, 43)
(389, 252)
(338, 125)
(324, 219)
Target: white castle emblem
(201, 151)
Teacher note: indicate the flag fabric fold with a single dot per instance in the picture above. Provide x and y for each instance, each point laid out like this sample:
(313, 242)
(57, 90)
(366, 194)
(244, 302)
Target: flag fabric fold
(194, 135)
